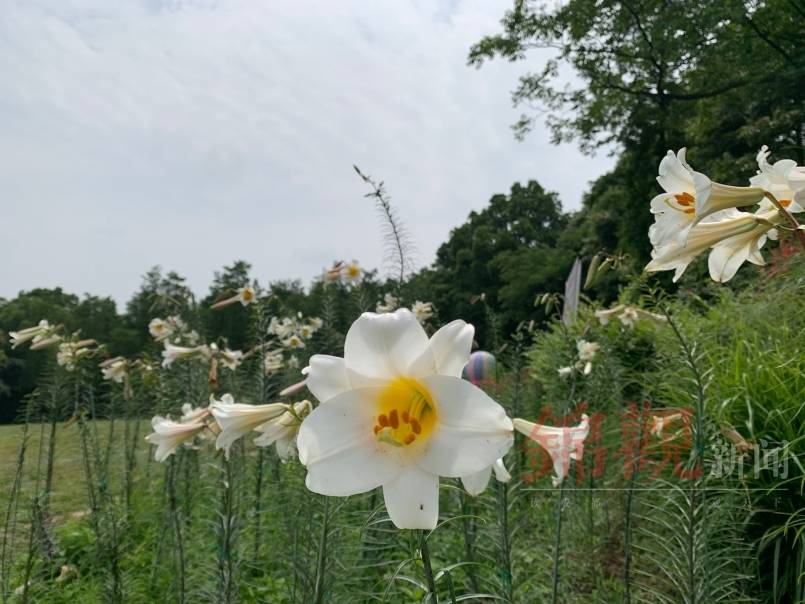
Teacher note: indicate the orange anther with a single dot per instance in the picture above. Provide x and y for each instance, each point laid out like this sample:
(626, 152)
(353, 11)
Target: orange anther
(689, 211)
(394, 420)
(382, 420)
(785, 202)
(685, 199)
(378, 429)
(406, 417)
(415, 426)
(409, 439)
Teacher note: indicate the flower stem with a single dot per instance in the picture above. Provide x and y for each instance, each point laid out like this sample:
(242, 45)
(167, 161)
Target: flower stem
(423, 549)
(321, 564)
(789, 217)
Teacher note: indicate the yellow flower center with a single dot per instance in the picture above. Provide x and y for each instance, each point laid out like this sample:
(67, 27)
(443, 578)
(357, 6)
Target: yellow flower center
(405, 413)
(247, 295)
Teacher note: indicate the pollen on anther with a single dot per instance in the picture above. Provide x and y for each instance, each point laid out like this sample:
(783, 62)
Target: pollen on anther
(394, 420)
(406, 417)
(415, 425)
(689, 211)
(382, 420)
(409, 439)
(378, 429)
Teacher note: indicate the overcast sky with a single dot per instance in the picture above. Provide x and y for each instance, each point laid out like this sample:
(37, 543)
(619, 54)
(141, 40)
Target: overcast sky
(191, 133)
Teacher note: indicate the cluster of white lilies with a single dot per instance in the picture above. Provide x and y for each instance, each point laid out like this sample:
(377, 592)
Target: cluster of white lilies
(695, 214)
(394, 413)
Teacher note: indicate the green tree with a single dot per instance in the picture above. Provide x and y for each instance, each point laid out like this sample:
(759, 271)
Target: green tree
(479, 255)
(721, 76)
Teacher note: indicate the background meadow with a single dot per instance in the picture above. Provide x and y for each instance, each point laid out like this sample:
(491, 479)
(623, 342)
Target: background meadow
(690, 488)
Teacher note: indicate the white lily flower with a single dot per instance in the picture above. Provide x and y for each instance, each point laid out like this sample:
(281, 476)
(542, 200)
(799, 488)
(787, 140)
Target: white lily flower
(273, 361)
(245, 296)
(565, 372)
(115, 369)
(390, 304)
(604, 316)
(191, 414)
(395, 413)
(676, 255)
(783, 179)
(70, 352)
(629, 317)
(160, 329)
(173, 353)
(351, 272)
(231, 359)
(422, 311)
(658, 423)
(238, 419)
(316, 323)
(283, 430)
(476, 483)
(168, 435)
(281, 328)
(562, 444)
(587, 350)
(35, 334)
(728, 256)
(689, 197)
(293, 342)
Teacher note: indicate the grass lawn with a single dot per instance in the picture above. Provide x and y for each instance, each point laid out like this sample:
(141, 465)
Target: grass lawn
(69, 492)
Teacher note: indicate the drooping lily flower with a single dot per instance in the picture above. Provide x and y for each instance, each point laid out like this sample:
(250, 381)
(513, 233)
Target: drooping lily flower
(34, 334)
(114, 369)
(728, 255)
(162, 329)
(231, 359)
(173, 353)
(283, 430)
(238, 419)
(565, 372)
(689, 197)
(562, 444)
(192, 414)
(272, 361)
(422, 311)
(604, 316)
(587, 350)
(783, 179)
(676, 255)
(395, 413)
(168, 435)
(660, 422)
(245, 296)
(390, 303)
(476, 483)
(629, 317)
(70, 352)
(280, 328)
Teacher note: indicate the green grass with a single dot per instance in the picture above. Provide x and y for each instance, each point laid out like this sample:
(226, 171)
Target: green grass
(69, 493)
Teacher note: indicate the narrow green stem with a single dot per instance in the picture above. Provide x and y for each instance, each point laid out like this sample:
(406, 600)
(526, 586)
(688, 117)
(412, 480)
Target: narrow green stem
(425, 553)
(321, 566)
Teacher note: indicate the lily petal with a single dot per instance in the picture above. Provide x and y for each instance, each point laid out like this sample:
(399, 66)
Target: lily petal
(412, 499)
(471, 433)
(337, 439)
(384, 346)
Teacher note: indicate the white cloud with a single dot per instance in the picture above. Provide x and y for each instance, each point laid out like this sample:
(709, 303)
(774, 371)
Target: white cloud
(190, 134)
